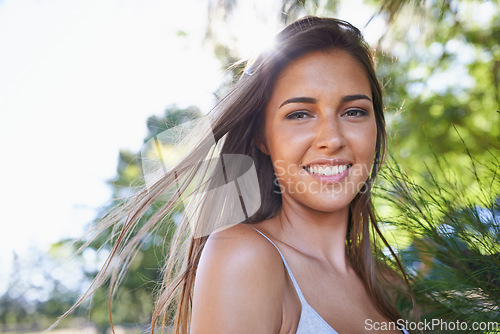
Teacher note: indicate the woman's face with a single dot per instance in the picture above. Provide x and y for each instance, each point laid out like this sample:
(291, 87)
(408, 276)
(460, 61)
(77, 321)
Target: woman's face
(320, 130)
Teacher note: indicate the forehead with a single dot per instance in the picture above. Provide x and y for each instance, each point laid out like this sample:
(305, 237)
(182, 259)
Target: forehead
(322, 74)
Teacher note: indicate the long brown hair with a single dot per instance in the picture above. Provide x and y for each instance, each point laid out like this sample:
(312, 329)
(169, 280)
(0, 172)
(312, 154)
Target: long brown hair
(236, 127)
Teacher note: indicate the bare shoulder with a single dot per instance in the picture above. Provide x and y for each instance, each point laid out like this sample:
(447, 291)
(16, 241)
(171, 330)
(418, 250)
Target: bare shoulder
(242, 246)
(239, 284)
(243, 239)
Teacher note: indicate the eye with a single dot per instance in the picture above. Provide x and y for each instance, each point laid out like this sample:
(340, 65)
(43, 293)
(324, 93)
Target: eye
(298, 115)
(355, 113)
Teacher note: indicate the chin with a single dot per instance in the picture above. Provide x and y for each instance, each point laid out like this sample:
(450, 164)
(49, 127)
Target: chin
(331, 205)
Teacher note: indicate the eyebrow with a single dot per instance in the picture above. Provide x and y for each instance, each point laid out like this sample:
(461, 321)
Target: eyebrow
(311, 100)
(349, 98)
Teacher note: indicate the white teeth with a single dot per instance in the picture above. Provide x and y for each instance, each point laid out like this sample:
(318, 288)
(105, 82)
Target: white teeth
(327, 170)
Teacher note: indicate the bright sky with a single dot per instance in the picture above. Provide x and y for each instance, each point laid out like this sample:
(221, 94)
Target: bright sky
(78, 80)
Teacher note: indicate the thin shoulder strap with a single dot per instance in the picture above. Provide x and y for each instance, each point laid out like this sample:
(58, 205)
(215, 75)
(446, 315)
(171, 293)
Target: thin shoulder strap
(295, 284)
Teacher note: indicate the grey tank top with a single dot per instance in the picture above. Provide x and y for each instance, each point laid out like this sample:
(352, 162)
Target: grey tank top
(310, 321)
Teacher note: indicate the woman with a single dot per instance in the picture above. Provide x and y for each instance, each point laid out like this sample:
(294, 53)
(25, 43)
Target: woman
(323, 132)
(309, 114)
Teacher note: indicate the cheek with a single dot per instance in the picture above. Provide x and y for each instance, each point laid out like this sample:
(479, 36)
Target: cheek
(286, 143)
(287, 154)
(363, 145)
(369, 149)
(370, 143)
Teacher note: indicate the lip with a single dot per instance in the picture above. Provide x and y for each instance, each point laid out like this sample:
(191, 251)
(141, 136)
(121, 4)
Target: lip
(329, 162)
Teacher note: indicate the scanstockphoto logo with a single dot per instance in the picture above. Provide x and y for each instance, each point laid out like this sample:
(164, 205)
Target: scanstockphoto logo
(224, 191)
(323, 188)
(432, 326)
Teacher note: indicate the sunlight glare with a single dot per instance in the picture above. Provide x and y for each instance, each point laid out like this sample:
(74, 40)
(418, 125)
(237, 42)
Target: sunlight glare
(254, 38)
(250, 29)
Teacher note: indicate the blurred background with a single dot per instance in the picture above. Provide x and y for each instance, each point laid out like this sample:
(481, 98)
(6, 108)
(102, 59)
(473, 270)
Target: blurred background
(84, 84)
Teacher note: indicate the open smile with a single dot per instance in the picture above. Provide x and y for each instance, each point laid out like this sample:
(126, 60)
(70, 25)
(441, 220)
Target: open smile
(327, 170)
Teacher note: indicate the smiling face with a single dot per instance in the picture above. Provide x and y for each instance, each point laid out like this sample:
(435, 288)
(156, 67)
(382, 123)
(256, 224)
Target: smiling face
(320, 130)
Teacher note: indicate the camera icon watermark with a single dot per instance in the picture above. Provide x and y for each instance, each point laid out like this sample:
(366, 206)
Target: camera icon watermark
(218, 190)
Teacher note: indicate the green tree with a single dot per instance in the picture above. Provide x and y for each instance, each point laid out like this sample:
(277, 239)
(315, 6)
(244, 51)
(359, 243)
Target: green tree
(34, 296)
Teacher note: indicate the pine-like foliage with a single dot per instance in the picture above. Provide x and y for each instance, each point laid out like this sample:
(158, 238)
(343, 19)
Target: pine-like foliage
(450, 225)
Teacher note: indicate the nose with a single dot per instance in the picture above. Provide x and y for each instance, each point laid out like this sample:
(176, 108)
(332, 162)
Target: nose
(330, 136)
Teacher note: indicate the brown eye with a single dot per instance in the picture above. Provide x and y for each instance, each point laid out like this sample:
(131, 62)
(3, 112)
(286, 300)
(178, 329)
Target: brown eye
(355, 113)
(298, 115)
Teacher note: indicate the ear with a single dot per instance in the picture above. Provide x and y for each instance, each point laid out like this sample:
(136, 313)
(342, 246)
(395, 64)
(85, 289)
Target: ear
(263, 149)
(261, 145)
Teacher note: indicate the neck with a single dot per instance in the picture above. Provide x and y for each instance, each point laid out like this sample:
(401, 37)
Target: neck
(321, 235)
